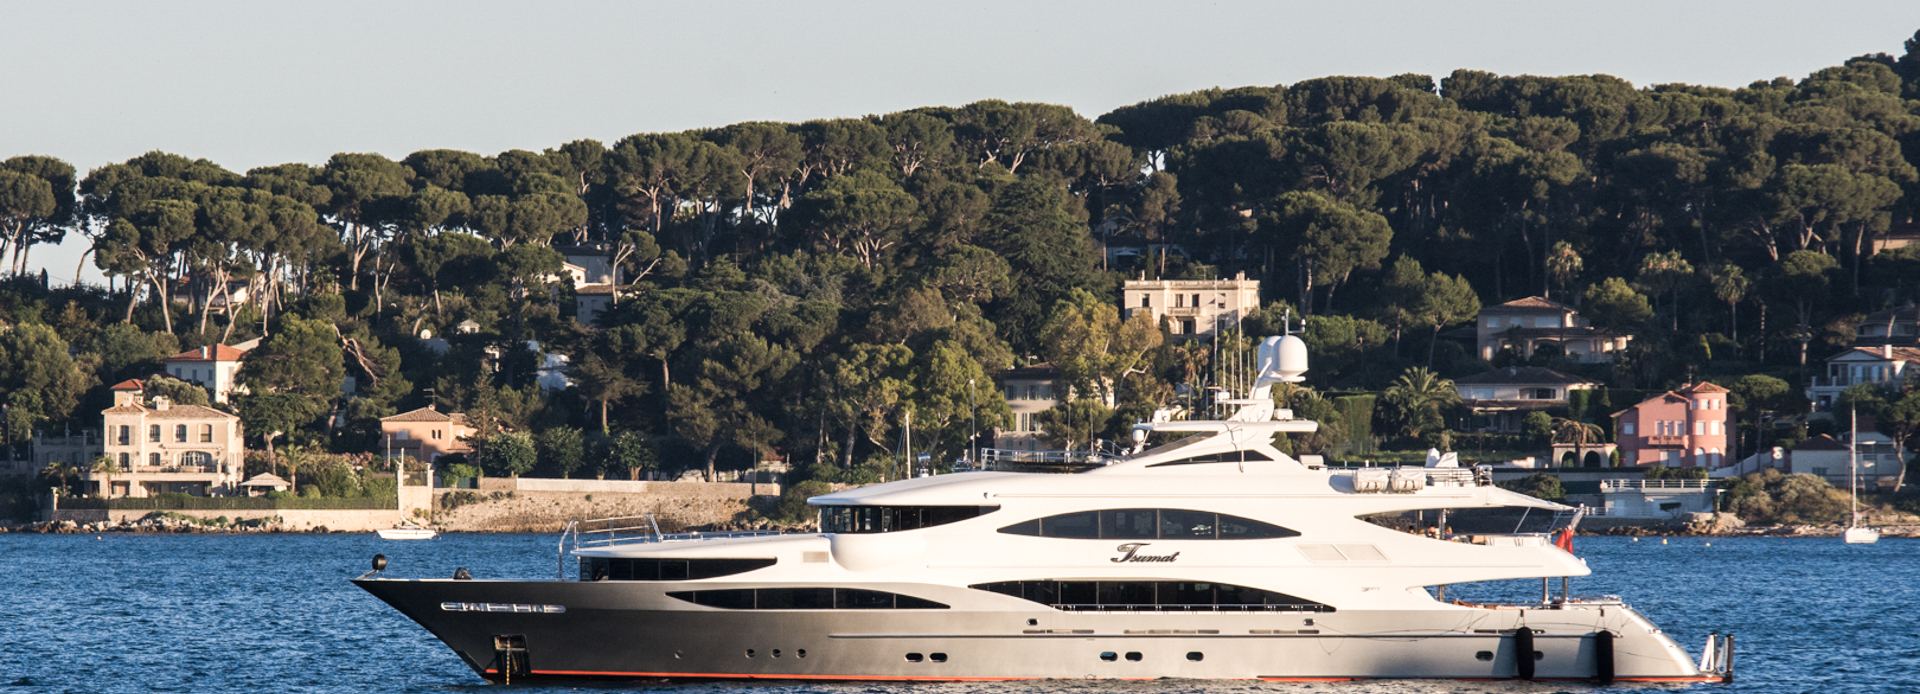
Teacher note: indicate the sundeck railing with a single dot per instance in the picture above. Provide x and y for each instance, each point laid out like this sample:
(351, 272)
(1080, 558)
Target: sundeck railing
(1042, 461)
(1409, 479)
(622, 530)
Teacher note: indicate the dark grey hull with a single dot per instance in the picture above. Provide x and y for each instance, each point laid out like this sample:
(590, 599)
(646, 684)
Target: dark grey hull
(631, 630)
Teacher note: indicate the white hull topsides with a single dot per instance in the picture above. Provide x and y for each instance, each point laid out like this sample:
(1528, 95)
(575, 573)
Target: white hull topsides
(1215, 556)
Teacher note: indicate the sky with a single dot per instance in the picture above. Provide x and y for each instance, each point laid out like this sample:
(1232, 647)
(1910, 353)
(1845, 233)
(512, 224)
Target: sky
(252, 83)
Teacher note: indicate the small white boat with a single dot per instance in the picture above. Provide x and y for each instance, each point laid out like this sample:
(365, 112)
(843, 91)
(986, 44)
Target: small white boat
(407, 531)
(1856, 534)
(1860, 535)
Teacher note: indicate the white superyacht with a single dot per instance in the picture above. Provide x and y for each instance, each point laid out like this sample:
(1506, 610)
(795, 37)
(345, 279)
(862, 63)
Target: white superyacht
(1213, 556)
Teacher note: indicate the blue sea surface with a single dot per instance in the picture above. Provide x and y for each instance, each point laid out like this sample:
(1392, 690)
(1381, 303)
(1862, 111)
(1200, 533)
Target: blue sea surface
(275, 613)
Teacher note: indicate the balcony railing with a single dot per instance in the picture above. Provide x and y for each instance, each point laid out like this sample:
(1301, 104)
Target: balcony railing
(1665, 440)
(1627, 485)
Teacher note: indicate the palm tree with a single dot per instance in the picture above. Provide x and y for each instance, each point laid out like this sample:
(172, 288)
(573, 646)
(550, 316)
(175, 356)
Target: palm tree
(1730, 285)
(1419, 398)
(1577, 433)
(105, 467)
(60, 471)
(1563, 265)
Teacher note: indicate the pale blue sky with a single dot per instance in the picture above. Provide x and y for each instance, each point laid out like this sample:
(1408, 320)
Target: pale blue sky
(252, 83)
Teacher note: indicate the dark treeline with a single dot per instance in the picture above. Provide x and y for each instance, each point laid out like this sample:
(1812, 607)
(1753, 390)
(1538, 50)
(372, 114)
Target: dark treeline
(798, 289)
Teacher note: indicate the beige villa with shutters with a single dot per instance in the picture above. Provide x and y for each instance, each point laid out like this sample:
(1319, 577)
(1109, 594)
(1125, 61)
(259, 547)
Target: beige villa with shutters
(154, 446)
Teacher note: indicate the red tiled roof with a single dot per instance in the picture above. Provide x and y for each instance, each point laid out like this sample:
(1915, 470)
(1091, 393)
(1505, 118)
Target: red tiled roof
(209, 353)
(178, 411)
(1536, 303)
(424, 414)
(130, 384)
(1704, 387)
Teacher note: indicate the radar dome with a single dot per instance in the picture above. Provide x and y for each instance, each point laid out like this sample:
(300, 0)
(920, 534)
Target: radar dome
(1293, 358)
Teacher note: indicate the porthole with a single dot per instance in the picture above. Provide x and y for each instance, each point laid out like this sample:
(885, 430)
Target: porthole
(1109, 656)
(1539, 656)
(1033, 622)
(1133, 656)
(1196, 656)
(800, 653)
(749, 653)
(1484, 655)
(937, 657)
(915, 657)
(776, 652)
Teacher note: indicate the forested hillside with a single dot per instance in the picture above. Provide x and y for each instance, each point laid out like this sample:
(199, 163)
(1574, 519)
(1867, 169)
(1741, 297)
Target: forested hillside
(795, 289)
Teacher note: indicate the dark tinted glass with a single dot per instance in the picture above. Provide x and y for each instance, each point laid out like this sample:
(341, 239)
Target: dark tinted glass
(1078, 593)
(1186, 593)
(1134, 595)
(735, 599)
(1241, 595)
(1128, 524)
(794, 599)
(618, 569)
(1031, 527)
(804, 599)
(1176, 524)
(1148, 524)
(1084, 525)
(855, 599)
(1043, 592)
(908, 602)
(1237, 528)
(1126, 593)
(887, 519)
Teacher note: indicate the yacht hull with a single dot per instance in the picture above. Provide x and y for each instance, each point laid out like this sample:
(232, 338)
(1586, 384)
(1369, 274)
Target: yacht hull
(630, 630)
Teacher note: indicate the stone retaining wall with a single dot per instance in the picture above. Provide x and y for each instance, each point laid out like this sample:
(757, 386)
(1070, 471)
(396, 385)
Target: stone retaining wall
(360, 520)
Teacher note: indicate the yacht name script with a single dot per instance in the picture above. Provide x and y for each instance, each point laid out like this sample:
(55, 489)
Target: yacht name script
(1130, 552)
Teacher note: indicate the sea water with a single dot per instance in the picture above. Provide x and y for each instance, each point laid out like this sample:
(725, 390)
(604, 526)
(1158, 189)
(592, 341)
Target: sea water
(275, 613)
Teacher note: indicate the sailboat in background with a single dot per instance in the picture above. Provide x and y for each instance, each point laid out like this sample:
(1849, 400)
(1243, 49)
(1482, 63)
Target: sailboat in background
(1855, 534)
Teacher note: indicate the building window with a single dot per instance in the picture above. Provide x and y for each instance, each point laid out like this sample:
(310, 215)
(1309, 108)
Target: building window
(1196, 301)
(1626, 428)
(126, 437)
(436, 434)
(1146, 301)
(180, 433)
(206, 433)
(153, 433)
(1179, 300)
(126, 461)
(153, 459)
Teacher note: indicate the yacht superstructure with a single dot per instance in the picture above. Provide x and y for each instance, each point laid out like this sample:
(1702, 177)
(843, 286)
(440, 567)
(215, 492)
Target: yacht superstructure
(1216, 555)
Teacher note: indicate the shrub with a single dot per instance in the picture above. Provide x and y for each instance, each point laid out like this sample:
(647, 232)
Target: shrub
(1538, 485)
(1771, 497)
(793, 508)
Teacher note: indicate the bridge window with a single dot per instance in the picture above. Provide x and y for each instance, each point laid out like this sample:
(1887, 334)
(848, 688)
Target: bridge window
(1235, 457)
(805, 599)
(649, 569)
(1148, 524)
(1146, 596)
(887, 519)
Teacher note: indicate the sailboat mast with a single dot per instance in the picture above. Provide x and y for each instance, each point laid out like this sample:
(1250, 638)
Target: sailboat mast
(1853, 465)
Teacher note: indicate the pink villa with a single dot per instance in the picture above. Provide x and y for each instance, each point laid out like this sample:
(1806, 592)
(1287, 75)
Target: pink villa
(426, 433)
(1679, 428)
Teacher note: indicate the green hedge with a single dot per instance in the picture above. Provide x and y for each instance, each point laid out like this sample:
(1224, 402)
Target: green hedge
(229, 503)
